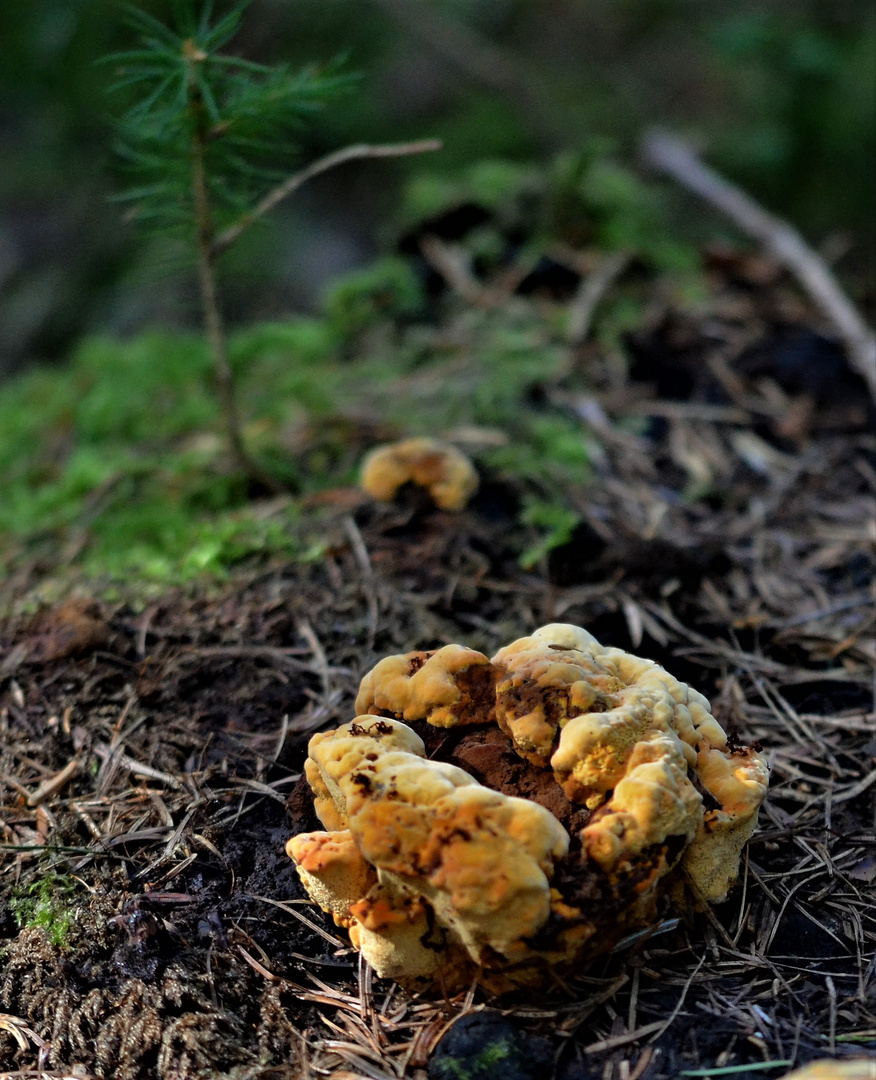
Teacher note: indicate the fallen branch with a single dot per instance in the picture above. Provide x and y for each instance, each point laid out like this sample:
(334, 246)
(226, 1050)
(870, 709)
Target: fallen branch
(672, 156)
(338, 157)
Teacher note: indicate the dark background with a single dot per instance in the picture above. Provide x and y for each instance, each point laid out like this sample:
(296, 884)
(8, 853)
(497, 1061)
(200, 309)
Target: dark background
(778, 95)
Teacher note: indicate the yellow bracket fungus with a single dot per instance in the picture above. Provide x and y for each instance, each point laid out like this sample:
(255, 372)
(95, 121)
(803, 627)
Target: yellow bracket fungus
(443, 870)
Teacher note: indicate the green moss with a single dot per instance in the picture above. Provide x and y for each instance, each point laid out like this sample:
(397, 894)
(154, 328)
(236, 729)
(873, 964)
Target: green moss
(587, 198)
(482, 1066)
(46, 904)
(388, 289)
(497, 185)
(285, 365)
(159, 389)
(116, 465)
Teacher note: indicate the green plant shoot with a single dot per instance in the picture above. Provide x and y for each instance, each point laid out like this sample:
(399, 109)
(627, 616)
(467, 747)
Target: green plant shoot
(206, 139)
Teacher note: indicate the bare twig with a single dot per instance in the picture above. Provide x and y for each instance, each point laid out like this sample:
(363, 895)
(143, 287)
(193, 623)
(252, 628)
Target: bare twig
(667, 1023)
(453, 263)
(213, 323)
(622, 1040)
(592, 289)
(115, 758)
(360, 554)
(477, 58)
(462, 46)
(672, 156)
(338, 157)
(290, 910)
(53, 784)
(473, 55)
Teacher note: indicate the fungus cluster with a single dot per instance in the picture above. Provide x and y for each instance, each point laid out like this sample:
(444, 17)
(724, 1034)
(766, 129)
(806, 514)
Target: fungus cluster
(444, 472)
(508, 816)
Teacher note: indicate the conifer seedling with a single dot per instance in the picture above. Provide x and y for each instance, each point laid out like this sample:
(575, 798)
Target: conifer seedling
(206, 138)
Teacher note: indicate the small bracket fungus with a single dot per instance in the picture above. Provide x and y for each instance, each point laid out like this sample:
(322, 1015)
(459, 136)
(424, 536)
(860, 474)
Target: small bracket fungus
(506, 816)
(445, 472)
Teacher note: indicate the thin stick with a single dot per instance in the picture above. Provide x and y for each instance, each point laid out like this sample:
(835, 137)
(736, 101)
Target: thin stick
(503, 71)
(672, 156)
(454, 265)
(627, 1037)
(338, 157)
(214, 323)
(590, 292)
(53, 785)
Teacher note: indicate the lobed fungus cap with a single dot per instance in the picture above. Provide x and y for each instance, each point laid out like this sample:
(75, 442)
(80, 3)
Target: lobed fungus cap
(438, 841)
(445, 472)
(446, 686)
(737, 780)
(332, 869)
(625, 738)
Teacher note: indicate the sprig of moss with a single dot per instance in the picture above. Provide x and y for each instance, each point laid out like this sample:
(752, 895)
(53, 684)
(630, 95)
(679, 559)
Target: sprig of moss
(45, 904)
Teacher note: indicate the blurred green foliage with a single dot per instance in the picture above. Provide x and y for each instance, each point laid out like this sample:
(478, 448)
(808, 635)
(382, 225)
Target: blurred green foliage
(388, 289)
(779, 94)
(115, 465)
(806, 86)
(587, 199)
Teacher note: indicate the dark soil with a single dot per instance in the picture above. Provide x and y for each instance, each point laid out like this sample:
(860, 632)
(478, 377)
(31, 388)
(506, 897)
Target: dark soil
(151, 924)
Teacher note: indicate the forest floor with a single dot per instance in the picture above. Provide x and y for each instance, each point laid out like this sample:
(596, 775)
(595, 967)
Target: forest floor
(151, 924)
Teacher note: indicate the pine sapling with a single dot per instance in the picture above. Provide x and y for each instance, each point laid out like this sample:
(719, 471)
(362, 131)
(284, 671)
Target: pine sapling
(207, 137)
